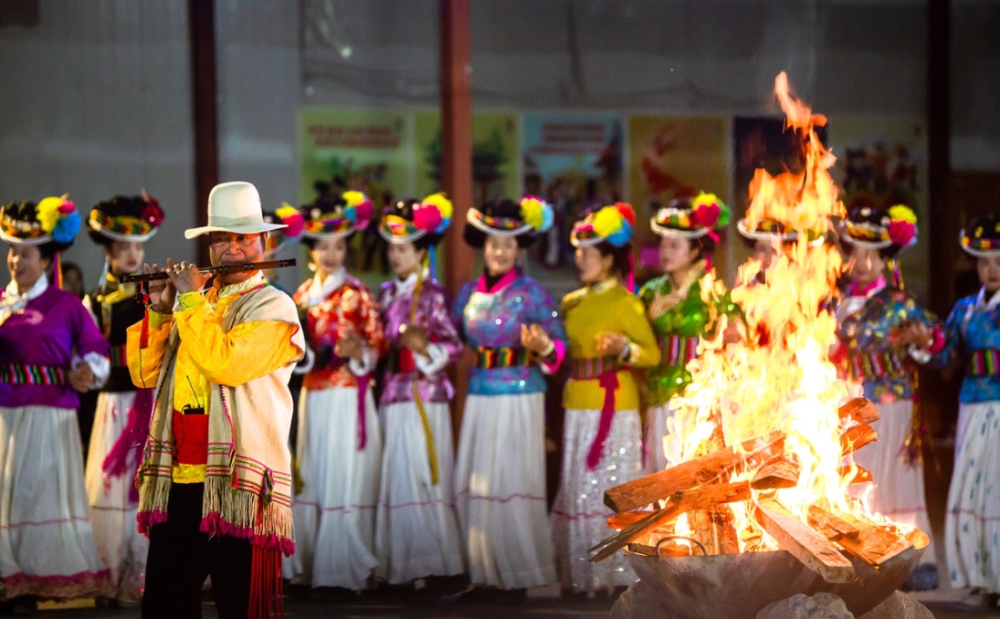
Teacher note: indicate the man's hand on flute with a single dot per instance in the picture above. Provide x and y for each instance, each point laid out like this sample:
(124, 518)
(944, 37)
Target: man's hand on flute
(161, 291)
(186, 277)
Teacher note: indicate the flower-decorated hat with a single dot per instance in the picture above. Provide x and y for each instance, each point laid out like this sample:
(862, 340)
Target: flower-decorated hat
(533, 215)
(125, 218)
(292, 220)
(982, 236)
(335, 216)
(767, 230)
(612, 224)
(690, 217)
(891, 230)
(407, 221)
(53, 220)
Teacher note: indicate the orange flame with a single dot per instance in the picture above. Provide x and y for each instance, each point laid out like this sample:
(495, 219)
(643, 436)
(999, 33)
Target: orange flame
(779, 376)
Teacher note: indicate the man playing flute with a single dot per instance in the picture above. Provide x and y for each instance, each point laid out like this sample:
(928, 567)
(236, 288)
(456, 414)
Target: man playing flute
(215, 481)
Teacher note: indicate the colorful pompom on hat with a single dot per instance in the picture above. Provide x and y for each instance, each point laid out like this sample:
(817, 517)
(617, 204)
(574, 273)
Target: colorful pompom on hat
(690, 217)
(51, 220)
(406, 221)
(612, 224)
(125, 218)
(294, 223)
(534, 215)
(892, 230)
(981, 238)
(334, 216)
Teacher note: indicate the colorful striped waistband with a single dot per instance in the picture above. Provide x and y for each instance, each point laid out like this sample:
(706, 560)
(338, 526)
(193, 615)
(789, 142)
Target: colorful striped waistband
(875, 366)
(677, 350)
(118, 356)
(983, 363)
(24, 374)
(504, 357)
(591, 368)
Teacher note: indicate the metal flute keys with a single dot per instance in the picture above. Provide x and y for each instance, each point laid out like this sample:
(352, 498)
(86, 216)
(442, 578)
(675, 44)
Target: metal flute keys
(223, 269)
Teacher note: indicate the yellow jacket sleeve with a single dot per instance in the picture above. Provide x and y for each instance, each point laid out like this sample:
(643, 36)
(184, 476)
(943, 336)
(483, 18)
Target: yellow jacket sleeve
(233, 358)
(144, 364)
(643, 348)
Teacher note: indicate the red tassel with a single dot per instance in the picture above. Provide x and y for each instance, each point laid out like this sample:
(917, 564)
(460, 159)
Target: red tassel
(266, 587)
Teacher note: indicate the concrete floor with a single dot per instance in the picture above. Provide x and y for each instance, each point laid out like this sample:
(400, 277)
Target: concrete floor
(943, 604)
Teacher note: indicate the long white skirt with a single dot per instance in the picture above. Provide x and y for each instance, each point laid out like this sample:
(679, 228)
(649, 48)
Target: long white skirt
(334, 514)
(579, 516)
(119, 543)
(656, 431)
(46, 541)
(899, 487)
(500, 491)
(417, 531)
(972, 522)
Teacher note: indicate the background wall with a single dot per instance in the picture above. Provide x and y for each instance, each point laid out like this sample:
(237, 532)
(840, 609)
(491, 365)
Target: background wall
(96, 101)
(96, 97)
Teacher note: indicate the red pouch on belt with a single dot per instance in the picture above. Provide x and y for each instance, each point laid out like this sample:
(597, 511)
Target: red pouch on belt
(191, 437)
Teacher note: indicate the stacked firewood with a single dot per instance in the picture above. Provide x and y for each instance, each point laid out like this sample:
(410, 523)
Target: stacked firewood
(702, 488)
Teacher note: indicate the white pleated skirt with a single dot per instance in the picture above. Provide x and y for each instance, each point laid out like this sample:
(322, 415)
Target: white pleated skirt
(972, 522)
(500, 491)
(899, 486)
(334, 513)
(112, 513)
(656, 432)
(47, 544)
(579, 516)
(416, 528)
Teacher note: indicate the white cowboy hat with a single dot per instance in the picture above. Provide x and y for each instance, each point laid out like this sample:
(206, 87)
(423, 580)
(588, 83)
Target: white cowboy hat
(235, 208)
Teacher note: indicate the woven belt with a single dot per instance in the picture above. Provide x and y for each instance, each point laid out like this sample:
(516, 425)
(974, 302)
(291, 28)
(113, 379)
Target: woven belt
(24, 374)
(677, 350)
(876, 366)
(118, 356)
(591, 368)
(983, 363)
(504, 357)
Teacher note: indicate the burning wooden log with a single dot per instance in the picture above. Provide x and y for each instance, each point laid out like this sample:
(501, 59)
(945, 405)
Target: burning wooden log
(860, 410)
(877, 546)
(809, 547)
(831, 526)
(693, 473)
(780, 472)
(857, 437)
(679, 503)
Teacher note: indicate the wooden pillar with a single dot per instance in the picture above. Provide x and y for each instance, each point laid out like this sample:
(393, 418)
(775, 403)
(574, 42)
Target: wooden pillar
(456, 163)
(939, 152)
(205, 111)
(456, 135)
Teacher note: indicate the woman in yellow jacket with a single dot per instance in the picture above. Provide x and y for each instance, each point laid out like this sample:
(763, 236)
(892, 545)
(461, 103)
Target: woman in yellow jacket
(602, 440)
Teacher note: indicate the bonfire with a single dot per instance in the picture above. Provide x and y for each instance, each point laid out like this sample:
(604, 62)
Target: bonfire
(761, 442)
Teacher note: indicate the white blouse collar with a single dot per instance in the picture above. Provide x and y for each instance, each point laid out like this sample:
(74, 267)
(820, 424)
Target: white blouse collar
(321, 289)
(40, 286)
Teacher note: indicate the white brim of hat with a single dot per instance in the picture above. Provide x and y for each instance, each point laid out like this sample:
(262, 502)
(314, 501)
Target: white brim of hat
(866, 244)
(482, 227)
(756, 235)
(13, 240)
(115, 236)
(254, 228)
(675, 232)
(401, 240)
(978, 253)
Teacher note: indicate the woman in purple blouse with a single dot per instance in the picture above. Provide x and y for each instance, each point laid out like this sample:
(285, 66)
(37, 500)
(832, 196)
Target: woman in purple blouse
(511, 323)
(417, 531)
(50, 349)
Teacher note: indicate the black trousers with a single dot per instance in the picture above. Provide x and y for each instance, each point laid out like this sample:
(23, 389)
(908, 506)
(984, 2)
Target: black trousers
(181, 557)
